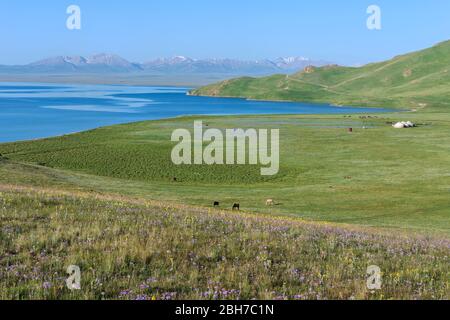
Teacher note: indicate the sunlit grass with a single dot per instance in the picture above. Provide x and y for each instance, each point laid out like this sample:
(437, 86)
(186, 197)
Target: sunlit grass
(377, 176)
(134, 249)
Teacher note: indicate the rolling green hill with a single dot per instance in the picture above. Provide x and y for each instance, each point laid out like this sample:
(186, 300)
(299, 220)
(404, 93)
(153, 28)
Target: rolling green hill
(413, 81)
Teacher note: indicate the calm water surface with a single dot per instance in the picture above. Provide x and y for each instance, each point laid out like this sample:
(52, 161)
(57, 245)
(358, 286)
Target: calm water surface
(31, 111)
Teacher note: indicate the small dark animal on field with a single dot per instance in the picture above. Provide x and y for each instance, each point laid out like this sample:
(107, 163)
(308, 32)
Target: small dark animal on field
(350, 130)
(216, 204)
(175, 179)
(236, 207)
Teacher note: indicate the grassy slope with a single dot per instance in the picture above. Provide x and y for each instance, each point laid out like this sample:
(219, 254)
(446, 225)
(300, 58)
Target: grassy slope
(414, 80)
(378, 176)
(135, 249)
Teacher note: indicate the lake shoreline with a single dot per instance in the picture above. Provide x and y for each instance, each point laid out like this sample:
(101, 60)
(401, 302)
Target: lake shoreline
(63, 109)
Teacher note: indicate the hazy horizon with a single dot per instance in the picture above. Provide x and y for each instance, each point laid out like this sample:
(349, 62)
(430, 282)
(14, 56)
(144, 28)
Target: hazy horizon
(37, 59)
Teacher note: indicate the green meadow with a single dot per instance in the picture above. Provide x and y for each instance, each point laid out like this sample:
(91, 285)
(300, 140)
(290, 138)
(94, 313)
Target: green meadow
(130, 248)
(375, 176)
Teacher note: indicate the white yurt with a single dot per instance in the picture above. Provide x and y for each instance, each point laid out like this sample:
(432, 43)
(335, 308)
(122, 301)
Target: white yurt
(399, 125)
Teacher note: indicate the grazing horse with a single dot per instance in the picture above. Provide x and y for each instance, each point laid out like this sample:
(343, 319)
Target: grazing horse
(216, 204)
(270, 202)
(236, 206)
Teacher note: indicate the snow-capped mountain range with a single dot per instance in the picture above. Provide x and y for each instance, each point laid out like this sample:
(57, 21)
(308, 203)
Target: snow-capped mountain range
(111, 63)
(95, 63)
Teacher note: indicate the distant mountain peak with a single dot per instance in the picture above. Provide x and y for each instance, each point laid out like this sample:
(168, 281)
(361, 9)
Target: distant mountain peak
(101, 62)
(297, 63)
(109, 60)
(76, 60)
(181, 58)
(291, 59)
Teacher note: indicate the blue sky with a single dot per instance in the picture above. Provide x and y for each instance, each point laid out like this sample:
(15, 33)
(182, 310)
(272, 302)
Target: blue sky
(248, 29)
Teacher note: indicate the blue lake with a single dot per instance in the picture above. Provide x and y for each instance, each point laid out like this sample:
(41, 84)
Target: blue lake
(31, 111)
